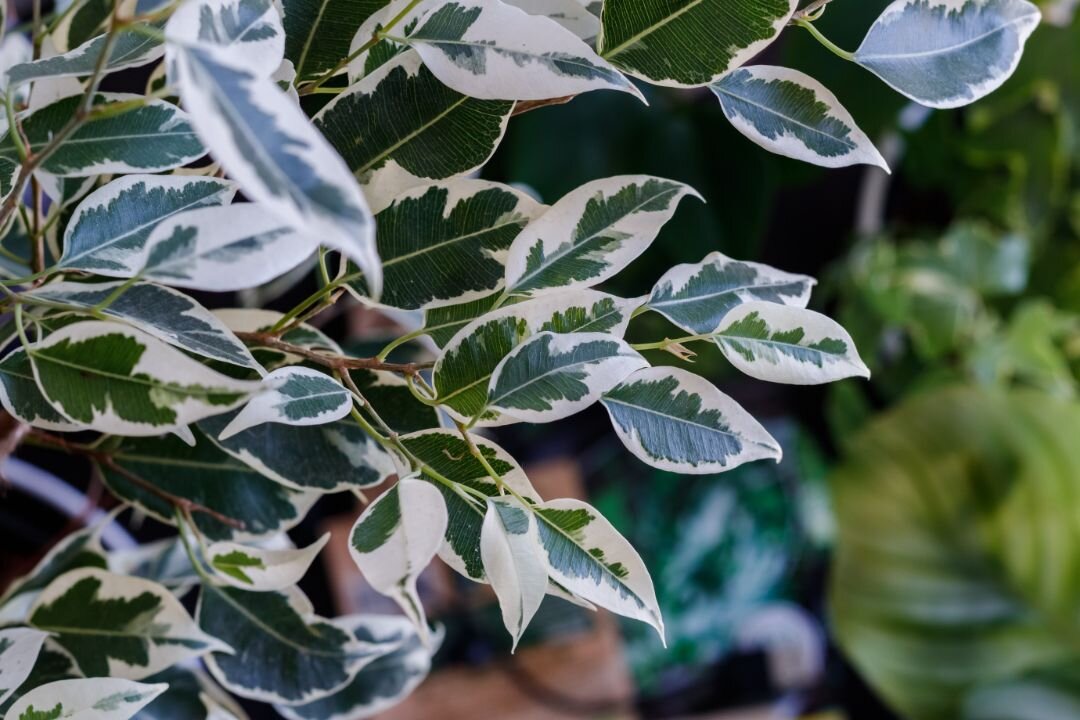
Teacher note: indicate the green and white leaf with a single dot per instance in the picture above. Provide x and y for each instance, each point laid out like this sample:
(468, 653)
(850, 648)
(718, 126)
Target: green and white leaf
(245, 33)
(790, 345)
(550, 376)
(792, 114)
(115, 220)
(571, 14)
(319, 33)
(117, 379)
(254, 568)
(445, 244)
(159, 311)
(129, 49)
(679, 422)
(443, 323)
(401, 127)
(118, 626)
(463, 372)
(19, 648)
(495, 51)
(697, 296)
(688, 43)
(22, 398)
(85, 699)
(165, 562)
(79, 549)
(207, 476)
(588, 556)
(293, 396)
(286, 653)
(265, 142)
(591, 233)
(192, 695)
(446, 453)
(381, 685)
(366, 59)
(395, 538)
(53, 663)
(514, 562)
(948, 53)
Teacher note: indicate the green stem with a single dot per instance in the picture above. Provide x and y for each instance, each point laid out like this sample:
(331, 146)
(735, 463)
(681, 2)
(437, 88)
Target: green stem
(114, 295)
(664, 344)
(829, 44)
(182, 524)
(310, 300)
(19, 326)
(399, 342)
(16, 136)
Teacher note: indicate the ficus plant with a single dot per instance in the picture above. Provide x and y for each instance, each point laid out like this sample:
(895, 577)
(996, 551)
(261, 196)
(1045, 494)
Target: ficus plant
(230, 170)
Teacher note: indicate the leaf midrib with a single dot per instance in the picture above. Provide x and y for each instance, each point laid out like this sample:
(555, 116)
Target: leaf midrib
(634, 39)
(859, 57)
(843, 141)
(178, 389)
(400, 143)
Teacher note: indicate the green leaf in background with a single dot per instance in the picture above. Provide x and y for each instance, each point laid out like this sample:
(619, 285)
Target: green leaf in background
(792, 114)
(948, 54)
(677, 421)
(318, 33)
(697, 296)
(129, 50)
(686, 43)
(254, 568)
(191, 696)
(22, 398)
(442, 324)
(97, 698)
(400, 127)
(19, 649)
(294, 396)
(118, 626)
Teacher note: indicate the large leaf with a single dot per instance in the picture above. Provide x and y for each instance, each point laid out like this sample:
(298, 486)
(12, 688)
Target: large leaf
(956, 525)
(159, 311)
(677, 421)
(118, 626)
(682, 43)
(444, 244)
(221, 483)
(115, 220)
(19, 649)
(591, 233)
(318, 33)
(254, 568)
(791, 345)
(90, 698)
(129, 49)
(496, 51)
(285, 653)
(552, 376)
(117, 379)
(948, 53)
(246, 33)
(22, 398)
(514, 562)
(264, 140)
(400, 127)
(697, 296)
(295, 396)
(395, 538)
(792, 114)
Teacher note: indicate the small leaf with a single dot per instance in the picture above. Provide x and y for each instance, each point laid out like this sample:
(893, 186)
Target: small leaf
(514, 562)
(791, 114)
(498, 52)
(591, 233)
(788, 345)
(129, 50)
(395, 538)
(296, 396)
(119, 626)
(96, 698)
(19, 648)
(677, 421)
(948, 53)
(22, 398)
(253, 568)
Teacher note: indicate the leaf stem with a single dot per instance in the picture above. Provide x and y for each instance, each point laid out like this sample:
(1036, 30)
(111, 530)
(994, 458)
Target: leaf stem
(667, 342)
(829, 44)
(394, 344)
(334, 362)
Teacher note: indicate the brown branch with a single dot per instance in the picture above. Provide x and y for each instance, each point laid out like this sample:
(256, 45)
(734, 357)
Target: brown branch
(524, 106)
(334, 362)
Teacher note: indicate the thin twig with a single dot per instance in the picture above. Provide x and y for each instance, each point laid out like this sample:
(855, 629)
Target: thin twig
(810, 12)
(335, 362)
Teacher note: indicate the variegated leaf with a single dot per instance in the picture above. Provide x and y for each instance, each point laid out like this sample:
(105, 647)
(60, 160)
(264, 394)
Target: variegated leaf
(400, 127)
(318, 33)
(22, 398)
(129, 49)
(587, 556)
(366, 58)
(117, 379)
(677, 421)
(79, 549)
(591, 233)
(495, 51)
(792, 114)
(159, 311)
(687, 43)
(118, 626)
(379, 686)
(222, 484)
(448, 454)
(443, 323)
(19, 648)
(697, 296)
(445, 244)
(463, 372)
(254, 568)
(948, 53)
(514, 562)
(285, 653)
(264, 141)
(395, 538)
(165, 562)
(244, 33)
(294, 396)
(551, 376)
(89, 698)
(788, 345)
(115, 220)
(192, 695)
(571, 14)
